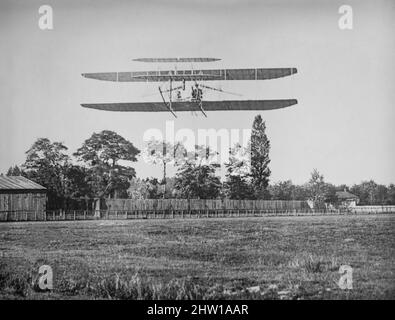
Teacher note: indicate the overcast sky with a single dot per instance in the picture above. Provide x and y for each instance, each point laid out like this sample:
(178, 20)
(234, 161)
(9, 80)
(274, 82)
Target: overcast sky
(343, 124)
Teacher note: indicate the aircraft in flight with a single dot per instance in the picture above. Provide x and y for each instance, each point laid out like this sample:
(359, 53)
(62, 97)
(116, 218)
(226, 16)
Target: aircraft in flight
(175, 83)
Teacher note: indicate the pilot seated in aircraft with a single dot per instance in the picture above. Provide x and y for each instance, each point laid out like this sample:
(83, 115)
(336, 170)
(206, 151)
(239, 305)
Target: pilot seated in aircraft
(197, 93)
(178, 97)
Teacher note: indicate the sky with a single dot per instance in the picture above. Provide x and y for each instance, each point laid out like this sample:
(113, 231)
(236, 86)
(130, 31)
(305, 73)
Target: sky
(342, 124)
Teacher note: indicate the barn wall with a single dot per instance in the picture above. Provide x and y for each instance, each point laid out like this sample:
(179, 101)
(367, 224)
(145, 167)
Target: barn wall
(13, 203)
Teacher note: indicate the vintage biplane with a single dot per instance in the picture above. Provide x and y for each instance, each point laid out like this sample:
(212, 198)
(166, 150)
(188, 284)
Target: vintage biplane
(183, 90)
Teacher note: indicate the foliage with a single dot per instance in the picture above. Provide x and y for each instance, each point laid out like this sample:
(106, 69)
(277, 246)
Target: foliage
(260, 147)
(198, 181)
(151, 188)
(196, 175)
(76, 184)
(238, 184)
(282, 190)
(371, 193)
(163, 152)
(14, 171)
(138, 189)
(102, 153)
(106, 174)
(317, 188)
(46, 164)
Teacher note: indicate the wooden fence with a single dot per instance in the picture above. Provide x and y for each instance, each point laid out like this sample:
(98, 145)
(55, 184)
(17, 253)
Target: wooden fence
(201, 204)
(183, 209)
(73, 215)
(372, 209)
(49, 215)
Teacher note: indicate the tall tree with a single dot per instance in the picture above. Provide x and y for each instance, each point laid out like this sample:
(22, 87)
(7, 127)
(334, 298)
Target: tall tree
(164, 153)
(317, 189)
(102, 153)
(260, 147)
(45, 164)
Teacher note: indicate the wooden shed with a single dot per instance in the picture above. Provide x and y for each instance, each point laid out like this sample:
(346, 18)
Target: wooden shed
(21, 199)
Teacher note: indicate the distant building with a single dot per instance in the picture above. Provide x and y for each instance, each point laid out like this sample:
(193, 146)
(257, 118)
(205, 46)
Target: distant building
(21, 199)
(346, 199)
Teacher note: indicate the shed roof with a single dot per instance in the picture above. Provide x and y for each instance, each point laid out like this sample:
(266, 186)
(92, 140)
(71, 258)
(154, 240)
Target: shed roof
(345, 195)
(18, 184)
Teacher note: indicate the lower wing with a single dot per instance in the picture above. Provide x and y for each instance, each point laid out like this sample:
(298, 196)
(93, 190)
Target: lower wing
(227, 105)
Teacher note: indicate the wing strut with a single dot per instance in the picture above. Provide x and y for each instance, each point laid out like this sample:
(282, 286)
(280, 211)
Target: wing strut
(168, 106)
(200, 103)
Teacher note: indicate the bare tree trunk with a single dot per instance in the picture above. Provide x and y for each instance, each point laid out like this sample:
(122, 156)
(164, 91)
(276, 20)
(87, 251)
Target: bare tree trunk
(164, 179)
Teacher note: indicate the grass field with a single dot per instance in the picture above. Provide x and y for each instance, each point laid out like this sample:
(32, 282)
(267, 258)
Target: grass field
(287, 257)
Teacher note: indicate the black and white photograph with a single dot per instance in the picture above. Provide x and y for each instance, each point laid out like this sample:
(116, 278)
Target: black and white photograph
(207, 152)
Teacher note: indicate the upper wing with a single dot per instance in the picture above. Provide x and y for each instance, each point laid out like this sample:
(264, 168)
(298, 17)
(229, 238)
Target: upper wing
(226, 105)
(181, 60)
(206, 75)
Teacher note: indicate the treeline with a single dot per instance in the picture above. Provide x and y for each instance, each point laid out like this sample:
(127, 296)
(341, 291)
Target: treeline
(94, 170)
(315, 189)
(102, 168)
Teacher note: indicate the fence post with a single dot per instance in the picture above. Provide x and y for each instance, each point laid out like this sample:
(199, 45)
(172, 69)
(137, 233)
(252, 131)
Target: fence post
(73, 214)
(84, 214)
